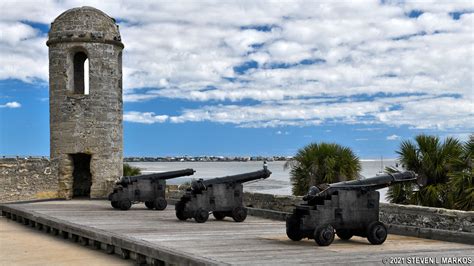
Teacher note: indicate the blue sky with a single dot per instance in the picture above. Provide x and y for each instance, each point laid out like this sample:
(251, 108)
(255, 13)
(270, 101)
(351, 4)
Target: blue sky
(266, 79)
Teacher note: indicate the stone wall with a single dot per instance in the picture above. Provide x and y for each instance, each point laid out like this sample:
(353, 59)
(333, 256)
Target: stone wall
(427, 217)
(271, 202)
(26, 179)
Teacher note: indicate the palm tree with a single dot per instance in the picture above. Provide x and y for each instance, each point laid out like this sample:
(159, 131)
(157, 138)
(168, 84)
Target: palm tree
(129, 170)
(319, 163)
(461, 181)
(400, 193)
(432, 160)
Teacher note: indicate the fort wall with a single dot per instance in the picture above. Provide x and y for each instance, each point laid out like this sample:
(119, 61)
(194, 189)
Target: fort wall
(27, 179)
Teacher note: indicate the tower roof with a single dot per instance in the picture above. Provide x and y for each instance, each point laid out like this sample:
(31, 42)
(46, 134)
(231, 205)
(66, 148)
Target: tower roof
(84, 24)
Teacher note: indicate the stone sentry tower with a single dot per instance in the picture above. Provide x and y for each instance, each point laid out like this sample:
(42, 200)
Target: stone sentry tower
(85, 101)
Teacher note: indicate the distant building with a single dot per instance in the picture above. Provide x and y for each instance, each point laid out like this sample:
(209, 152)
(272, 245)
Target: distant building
(85, 79)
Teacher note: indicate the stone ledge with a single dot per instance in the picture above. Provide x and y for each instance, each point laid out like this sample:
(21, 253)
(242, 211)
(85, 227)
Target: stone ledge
(429, 233)
(432, 210)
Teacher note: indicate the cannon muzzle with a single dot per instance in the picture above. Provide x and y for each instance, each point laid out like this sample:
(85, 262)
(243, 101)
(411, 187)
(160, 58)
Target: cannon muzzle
(200, 185)
(125, 180)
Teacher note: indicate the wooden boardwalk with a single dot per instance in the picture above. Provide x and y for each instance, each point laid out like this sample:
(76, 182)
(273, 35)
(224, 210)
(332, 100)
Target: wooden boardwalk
(157, 237)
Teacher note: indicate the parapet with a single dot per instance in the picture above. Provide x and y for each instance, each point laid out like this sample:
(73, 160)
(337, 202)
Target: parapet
(84, 24)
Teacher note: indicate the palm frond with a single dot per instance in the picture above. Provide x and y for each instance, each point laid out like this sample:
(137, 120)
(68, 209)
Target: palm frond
(129, 170)
(400, 193)
(445, 168)
(319, 163)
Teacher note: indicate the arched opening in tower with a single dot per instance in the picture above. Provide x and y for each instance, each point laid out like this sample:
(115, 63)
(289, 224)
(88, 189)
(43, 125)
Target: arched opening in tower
(82, 177)
(81, 73)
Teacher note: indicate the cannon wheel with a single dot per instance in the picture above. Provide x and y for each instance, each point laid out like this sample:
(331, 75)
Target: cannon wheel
(125, 205)
(150, 205)
(293, 228)
(324, 235)
(179, 207)
(160, 203)
(218, 215)
(239, 214)
(376, 233)
(344, 234)
(114, 204)
(201, 215)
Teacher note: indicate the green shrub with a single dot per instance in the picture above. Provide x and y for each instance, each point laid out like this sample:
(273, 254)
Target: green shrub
(446, 169)
(319, 163)
(129, 170)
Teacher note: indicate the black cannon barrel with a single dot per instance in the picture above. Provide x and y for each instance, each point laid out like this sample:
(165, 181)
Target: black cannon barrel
(201, 184)
(156, 176)
(377, 182)
(372, 183)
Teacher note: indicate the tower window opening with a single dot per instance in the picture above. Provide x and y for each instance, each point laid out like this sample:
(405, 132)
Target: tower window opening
(86, 76)
(81, 73)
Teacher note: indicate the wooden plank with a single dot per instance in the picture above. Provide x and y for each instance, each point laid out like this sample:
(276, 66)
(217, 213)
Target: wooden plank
(255, 241)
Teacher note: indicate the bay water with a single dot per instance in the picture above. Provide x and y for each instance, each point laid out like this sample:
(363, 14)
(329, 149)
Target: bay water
(278, 183)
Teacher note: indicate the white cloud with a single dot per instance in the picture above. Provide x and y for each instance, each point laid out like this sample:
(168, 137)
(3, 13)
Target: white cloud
(144, 118)
(273, 114)
(11, 105)
(393, 137)
(438, 113)
(188, 50)
(22, 52)
(462, 136)
(369, 129)
(279, 132)
(314, 112)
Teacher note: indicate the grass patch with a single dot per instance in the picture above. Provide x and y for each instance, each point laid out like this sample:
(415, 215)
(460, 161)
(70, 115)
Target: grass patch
(46, 195)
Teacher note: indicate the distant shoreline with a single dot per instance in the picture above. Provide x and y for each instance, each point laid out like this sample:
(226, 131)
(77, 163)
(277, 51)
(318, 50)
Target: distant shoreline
(198, 158)
(126, 160)
(207, 159)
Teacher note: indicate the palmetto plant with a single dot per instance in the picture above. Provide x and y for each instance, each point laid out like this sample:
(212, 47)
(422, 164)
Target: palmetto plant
(400, 193)
(443, 169)
(462, 190)
(461, 182)
(129, 170)
(319, 163)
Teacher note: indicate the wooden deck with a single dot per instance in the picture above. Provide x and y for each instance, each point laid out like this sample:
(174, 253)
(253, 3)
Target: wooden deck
(158, 237)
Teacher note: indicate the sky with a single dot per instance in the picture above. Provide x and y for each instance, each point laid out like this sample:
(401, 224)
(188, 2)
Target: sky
(242, 78)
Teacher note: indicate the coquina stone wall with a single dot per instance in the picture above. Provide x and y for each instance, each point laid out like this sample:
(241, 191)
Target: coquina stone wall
(271, 202)
(27, 178)
(427, 217)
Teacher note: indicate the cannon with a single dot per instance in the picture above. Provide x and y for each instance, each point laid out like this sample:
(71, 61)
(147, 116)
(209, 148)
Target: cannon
(346, 209)
(148, 188)
(222, 196)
